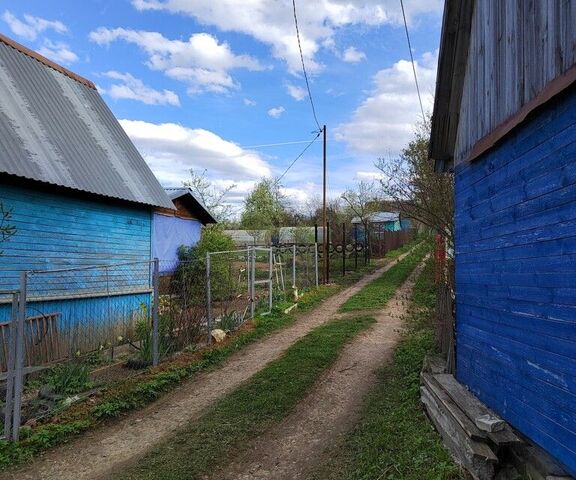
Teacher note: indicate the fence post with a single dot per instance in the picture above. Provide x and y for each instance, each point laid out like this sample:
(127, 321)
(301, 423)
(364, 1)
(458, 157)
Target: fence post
(316, 262)
(343, 249)
(19, 360)
(294, 266)
(355, 246)
(9, 407)
(270, 286)
(252, 282)
(208, 299)
(327, 252)
(155, 309)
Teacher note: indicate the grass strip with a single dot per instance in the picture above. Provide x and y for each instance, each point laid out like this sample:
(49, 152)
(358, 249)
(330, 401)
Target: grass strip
(394, 439)
(377, 293)
(139, 391)
(266, 398)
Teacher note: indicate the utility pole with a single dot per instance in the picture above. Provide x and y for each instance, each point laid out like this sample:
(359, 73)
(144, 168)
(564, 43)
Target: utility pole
(325, 253)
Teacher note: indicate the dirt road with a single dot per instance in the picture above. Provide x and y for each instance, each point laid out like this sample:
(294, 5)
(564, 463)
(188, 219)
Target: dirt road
(96, 454)
(293, 448)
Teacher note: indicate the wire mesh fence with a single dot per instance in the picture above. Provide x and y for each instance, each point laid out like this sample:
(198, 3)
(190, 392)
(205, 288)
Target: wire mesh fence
(295, 267)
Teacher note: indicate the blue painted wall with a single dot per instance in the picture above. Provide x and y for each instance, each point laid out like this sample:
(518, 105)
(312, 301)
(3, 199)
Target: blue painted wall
(516, 278)
(59, 232)
(169, 233)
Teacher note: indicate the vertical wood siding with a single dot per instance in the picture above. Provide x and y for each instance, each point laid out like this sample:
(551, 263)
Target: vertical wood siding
(516, 48)
(516, 278)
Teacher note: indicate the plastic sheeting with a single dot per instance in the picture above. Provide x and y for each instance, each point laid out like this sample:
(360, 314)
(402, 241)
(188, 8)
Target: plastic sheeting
(171, 232)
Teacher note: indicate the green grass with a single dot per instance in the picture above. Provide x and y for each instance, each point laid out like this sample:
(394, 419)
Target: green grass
(394, 439)
(266, 398)
(143, 390)
(376, 294)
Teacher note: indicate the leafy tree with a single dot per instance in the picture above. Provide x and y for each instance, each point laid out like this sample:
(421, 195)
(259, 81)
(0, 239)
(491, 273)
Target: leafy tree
(210, 195)
(410, 183)
(264, 207)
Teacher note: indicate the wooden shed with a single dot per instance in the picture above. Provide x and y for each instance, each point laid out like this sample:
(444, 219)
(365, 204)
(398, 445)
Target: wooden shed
(505, 120)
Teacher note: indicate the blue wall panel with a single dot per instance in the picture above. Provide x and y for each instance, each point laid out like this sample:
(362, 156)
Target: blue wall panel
(169, 234)
(61, 236)
(515, 250)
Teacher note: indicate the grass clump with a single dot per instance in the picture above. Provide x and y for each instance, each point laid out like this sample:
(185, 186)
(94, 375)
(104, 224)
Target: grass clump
(267, 397)
(376, 294)
(69, 378)
(394, 439)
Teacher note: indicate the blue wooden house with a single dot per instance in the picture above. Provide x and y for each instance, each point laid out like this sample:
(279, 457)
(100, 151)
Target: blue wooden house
(505, 121)
(178, 226)
(79, 195)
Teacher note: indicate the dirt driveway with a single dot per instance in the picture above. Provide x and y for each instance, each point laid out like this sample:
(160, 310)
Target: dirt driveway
(98, 453)
(291, 450)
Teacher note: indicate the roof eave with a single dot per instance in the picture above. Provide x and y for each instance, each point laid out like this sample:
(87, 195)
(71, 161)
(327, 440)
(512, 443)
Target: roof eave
(454, 45)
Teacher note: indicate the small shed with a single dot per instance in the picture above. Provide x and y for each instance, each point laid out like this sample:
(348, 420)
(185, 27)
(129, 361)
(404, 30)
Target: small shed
(180, 226)
(504, 121)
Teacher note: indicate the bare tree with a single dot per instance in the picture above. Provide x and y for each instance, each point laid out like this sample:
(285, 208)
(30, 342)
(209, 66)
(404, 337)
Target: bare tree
(410, 183)
(6, 229)
(362, 201)
(211, 196)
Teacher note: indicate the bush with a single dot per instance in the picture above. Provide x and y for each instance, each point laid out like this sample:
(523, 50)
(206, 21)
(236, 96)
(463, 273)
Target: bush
(69, 378)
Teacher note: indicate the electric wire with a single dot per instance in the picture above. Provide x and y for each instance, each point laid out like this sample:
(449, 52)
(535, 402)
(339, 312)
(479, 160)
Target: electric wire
(304, 67)
(297, 158)
(412, 60)
(277, 144)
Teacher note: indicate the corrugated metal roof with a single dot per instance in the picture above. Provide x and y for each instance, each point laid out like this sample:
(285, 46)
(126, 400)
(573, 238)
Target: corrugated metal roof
(380, 217)
(55, 128)
(178, 192)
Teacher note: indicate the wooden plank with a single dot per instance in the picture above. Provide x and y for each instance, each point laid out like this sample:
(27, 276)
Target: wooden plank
(467, 426)
(474, 408)
(475, 456)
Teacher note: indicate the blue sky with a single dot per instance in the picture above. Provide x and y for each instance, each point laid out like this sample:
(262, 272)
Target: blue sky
(199, 83)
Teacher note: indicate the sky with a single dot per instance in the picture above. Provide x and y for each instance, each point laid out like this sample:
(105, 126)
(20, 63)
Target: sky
(203, 84)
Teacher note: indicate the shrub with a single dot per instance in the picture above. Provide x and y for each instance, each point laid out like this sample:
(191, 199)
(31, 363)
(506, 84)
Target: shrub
(69, 378)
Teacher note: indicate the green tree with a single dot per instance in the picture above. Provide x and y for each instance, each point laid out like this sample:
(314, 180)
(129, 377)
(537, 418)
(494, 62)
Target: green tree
(410, 183)
(264, 207)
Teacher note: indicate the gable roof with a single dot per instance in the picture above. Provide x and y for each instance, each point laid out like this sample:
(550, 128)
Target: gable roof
(187, 195)
(55, 128)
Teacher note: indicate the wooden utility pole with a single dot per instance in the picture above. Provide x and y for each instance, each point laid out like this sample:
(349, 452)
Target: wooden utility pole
(325, 253)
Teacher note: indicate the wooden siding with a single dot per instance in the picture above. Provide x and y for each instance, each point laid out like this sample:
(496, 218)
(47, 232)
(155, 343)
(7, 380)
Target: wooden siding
(516, 278)
(54, 232)
(516, 48)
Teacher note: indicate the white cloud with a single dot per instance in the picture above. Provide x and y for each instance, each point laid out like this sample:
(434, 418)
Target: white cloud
(31, 26)
(249, 103)
(272, 23)
(352, 55)
(58, 52)
(201, 62)
(172, 150)
(276, 112)
(384, 121)
(134, 89)
(297, 93)
(361, 175)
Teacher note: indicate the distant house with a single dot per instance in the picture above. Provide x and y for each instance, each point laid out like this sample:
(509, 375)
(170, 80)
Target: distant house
(505, 120)
(182, 226)
(384, 222)
(80, 195)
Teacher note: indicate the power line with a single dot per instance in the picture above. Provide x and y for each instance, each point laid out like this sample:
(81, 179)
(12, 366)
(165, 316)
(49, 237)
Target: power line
(412, 60)
(304, 67)
(276, 144)
(297, 158)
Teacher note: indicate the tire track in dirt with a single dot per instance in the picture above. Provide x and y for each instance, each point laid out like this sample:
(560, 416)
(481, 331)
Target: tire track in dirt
(292, 449)
(98, 453)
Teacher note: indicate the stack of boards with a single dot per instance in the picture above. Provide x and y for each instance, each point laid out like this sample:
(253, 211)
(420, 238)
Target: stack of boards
(458, 415)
